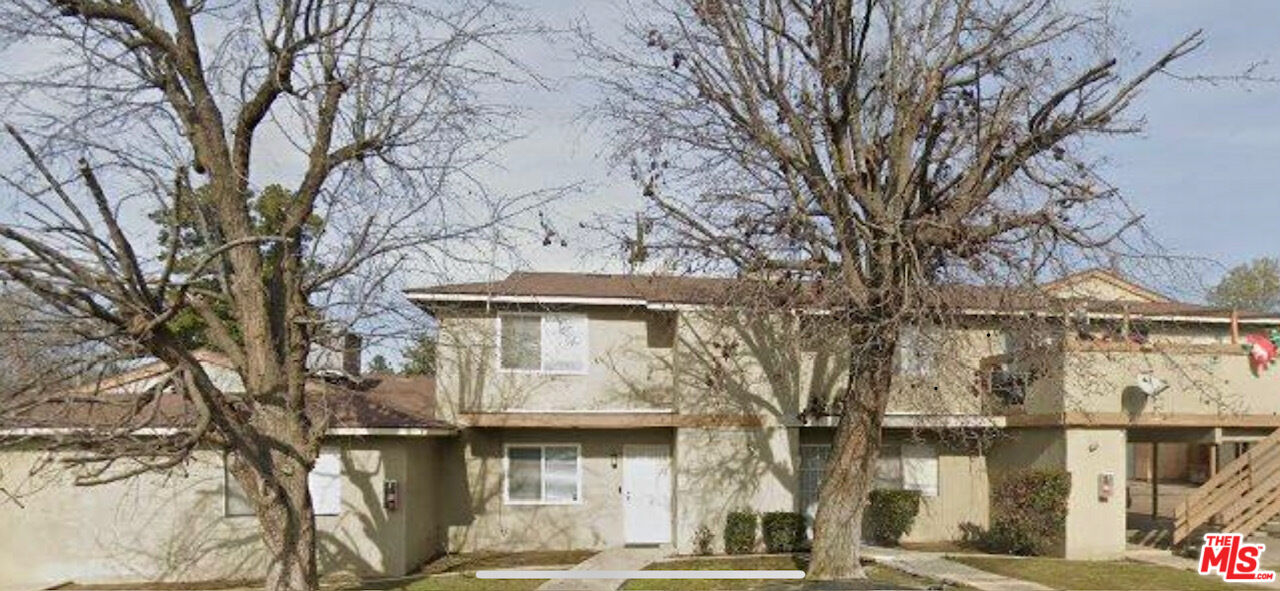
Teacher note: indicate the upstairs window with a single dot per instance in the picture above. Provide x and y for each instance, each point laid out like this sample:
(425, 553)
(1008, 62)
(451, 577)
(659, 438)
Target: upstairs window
(550, 343)
(918, 351)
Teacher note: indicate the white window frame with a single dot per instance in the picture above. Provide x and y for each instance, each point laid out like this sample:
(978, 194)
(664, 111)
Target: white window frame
(541, 316)
(902, 484)
(506, 474)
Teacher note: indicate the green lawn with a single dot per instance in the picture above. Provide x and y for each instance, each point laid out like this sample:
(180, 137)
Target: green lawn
(474, 561)
(468, 582)
(773, 562)
(456, 572)
(1087, 575)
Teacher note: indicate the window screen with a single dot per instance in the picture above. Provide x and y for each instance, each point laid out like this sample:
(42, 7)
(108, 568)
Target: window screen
(920, 468)
(544, 342)
(813, 466)
(521, 342)
(564, 339)
(543, 474)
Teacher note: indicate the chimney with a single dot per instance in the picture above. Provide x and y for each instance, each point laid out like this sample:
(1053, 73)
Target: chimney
(351, 345)
(336, 353)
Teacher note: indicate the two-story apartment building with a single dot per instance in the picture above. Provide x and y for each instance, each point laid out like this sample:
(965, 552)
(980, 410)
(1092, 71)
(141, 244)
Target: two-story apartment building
(602, 410)
(593, 411)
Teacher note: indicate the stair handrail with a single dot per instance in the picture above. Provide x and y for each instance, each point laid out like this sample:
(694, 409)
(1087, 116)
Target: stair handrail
(1228, 474)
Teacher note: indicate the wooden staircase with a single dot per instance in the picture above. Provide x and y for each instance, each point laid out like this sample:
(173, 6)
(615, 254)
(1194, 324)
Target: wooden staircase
(1240, 498)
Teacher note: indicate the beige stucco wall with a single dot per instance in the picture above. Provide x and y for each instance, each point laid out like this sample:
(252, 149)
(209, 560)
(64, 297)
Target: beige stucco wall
(477, 517)
(723, 470)
(629, 365)
(731, 363)
(173, 527)
(697, 362)
(1097, 289)
(963, 498)
(1095, 528)
(963, 484)
(1211, 382)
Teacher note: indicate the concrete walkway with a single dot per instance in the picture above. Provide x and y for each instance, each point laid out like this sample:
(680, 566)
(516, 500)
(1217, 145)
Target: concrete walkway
(934, 565)
(611, 559)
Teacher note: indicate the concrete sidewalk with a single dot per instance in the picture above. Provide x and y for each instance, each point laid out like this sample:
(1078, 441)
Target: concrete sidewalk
(934, 565)
(611, 559)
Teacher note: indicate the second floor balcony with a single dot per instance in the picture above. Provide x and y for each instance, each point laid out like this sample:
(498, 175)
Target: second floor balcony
(1122, 382)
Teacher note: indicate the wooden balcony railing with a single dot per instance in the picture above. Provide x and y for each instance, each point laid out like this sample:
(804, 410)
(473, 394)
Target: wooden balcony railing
(1240, 498)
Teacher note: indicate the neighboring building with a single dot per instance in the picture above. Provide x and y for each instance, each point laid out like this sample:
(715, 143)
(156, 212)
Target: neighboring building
(591, 411)
(192, 523)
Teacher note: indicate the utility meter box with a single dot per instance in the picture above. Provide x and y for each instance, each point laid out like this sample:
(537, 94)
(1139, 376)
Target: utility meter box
(1106, 486)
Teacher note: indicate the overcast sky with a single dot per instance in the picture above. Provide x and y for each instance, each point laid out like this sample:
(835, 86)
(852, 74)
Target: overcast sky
(1204, 173)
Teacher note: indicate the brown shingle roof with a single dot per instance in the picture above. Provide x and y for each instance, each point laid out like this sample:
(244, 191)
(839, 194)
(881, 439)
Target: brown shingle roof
(377, 401)
(671, 289)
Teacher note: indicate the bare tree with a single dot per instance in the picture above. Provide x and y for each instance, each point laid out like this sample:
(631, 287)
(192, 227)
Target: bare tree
(859, 155)
(292, 155)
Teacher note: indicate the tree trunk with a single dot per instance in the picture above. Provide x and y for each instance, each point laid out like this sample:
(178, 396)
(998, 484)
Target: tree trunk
(837, 527)
(287, 520)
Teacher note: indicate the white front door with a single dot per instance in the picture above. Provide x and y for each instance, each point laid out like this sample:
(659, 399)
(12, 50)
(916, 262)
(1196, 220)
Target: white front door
(646, 493)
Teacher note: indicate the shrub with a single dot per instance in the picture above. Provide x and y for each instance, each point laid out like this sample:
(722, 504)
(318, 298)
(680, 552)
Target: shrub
(740, 532)
(783, 531)
(1028, 513)
(702, 540)
(890, 515)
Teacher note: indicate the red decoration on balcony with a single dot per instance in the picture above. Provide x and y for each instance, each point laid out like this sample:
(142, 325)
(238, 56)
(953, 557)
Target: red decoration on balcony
(1262, 350)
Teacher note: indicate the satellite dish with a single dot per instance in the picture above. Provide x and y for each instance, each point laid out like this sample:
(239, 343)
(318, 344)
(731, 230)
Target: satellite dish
(1151, 385)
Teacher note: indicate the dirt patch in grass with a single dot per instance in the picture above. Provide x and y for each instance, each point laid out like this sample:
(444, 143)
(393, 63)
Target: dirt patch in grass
(947, 546)
(474, 561)
(1087, 575)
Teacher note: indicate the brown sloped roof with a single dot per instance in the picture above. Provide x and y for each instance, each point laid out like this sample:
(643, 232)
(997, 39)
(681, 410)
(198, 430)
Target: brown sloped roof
(376, 401)
(671, 289)
(652, 288)
(386, 400)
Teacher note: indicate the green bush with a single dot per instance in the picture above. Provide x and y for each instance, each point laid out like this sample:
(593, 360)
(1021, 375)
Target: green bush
(1028, 513)
(702, 541)
(784, 531)
(890, 515)
(740, 532)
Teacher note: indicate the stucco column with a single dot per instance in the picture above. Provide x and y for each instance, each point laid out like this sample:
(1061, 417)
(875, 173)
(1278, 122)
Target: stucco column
(719, 470)
(1095, 525)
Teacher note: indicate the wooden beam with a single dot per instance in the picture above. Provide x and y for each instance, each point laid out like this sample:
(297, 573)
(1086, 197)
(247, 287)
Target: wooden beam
(618, 420)
(1155, 480)
(1152, 420)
